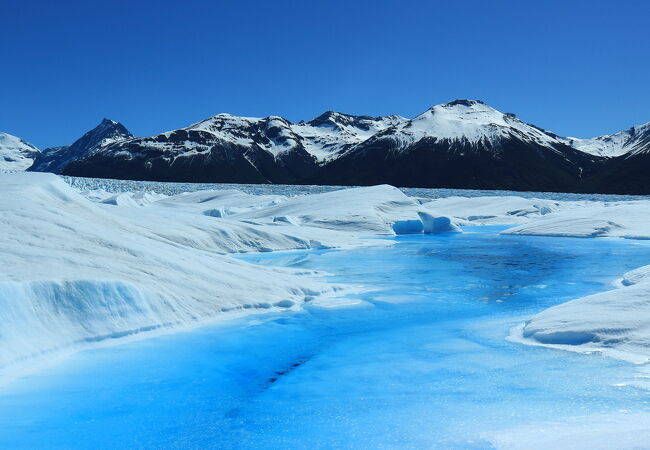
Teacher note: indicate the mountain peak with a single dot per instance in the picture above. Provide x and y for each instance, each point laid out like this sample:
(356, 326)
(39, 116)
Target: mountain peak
(464, 102)
(15, 154)
(108, 124)
(328, 118)
(55, 159)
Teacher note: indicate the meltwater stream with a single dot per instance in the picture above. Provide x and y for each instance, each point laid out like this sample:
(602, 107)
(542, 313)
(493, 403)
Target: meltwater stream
(421, 362)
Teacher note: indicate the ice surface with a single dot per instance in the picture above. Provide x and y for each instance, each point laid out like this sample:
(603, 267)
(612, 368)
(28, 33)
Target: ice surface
(104, 260)
(168, 188)
(369, 210)
(595, 219)
(421, 362)
(616, 322)
(92, 266)
(75, 272)
(596, 432)
(496, 210)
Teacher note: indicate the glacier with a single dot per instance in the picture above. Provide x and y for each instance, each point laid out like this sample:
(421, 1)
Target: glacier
(88, 264)
(81, 269)
(419, 361)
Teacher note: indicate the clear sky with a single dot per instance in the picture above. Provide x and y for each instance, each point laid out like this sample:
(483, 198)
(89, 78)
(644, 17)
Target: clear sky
(578, 68)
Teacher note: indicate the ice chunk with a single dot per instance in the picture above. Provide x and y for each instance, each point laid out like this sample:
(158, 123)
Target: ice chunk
(408, 227)
(437, 224)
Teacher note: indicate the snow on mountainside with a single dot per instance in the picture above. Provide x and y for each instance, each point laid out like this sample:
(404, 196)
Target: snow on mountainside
(227, 148)
(461, 144)
(323, 137)
(636, 140)
(331, 133)
(472, 121)
(15, 154)
(272, 133)
(55, 159)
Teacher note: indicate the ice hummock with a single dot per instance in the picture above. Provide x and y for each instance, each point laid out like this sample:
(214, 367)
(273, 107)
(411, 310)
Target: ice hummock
(79, 269)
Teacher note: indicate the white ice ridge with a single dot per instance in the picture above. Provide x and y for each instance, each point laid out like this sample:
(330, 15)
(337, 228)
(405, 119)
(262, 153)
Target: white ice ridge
(616, 323)
(361, 211)
(76, 272)
(593, 219)
(498, 210)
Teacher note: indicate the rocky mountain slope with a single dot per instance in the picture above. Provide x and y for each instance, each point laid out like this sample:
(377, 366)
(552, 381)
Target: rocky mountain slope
(463, 144)
(56, 159)
(460, 144)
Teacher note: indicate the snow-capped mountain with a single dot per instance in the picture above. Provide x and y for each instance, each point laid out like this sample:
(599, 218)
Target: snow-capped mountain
(470, 121)
(633, 141)
(460, 144)
(221, 148)
(55, 159)
(463, 144)
(626, 170)
(229, 148)
(16, 154)
(331, 134)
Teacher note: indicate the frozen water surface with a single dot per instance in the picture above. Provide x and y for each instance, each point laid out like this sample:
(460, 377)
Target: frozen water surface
(420, 362)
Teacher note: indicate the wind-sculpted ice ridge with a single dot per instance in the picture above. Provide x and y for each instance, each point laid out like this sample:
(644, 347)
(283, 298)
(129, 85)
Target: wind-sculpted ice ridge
(616, 322)
(87, 267)
(79, 270)
(616, 219)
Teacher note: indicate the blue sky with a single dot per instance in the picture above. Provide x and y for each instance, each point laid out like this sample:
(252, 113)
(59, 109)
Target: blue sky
(575, 67)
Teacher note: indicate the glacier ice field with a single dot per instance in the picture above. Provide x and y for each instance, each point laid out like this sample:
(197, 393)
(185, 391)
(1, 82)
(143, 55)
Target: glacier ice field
(421, 361)
(169, 188)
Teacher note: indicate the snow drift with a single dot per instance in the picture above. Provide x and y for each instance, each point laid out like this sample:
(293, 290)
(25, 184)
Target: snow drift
(74, 272)
(380, 209)
(77, 272)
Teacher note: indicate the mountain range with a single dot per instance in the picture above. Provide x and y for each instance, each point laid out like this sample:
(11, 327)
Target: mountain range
(460, 144)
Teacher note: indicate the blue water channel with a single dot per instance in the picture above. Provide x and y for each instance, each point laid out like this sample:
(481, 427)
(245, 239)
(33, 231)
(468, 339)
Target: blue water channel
(422, 362)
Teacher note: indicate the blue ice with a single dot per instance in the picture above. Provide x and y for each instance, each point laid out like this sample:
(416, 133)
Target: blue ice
(422, 363)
